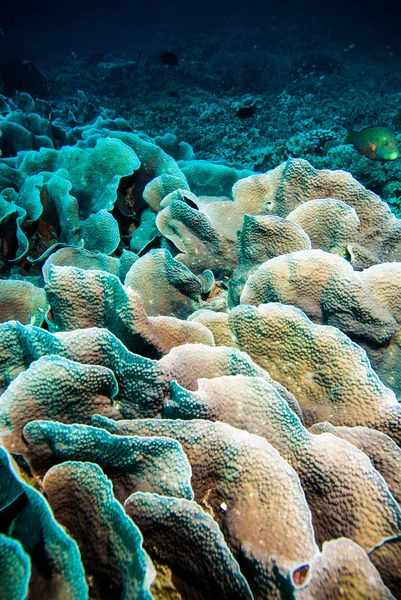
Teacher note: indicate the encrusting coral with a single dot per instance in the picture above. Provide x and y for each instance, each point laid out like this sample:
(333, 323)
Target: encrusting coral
(198, 371)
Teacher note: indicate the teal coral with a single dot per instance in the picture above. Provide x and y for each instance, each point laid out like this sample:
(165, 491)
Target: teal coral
(15, 243)
(241, 478)
(15, 569)
(143, 384)
(56, 563)
(325, 466)
(55, 388)
(69, 187)
(80, 495)
(155, 465)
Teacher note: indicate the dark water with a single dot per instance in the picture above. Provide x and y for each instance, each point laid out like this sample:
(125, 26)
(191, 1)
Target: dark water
(37, 30)
(226, 51)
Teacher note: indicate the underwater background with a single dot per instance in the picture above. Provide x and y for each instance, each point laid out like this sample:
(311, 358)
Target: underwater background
(310, 72)
(200, 293)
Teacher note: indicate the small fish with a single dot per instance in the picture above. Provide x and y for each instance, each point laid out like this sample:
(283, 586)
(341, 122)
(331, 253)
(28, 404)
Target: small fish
(169, 58)
(377, 143)
(246, 112)
(173, 94)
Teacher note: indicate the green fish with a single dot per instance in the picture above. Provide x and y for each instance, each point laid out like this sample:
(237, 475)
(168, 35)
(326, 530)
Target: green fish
(377, 143)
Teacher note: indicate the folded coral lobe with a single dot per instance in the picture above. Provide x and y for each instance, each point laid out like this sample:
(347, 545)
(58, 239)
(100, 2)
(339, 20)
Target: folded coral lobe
(199, 362)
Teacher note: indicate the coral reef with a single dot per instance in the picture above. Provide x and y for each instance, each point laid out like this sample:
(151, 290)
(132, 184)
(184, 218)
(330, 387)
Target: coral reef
(81, 497)
(198, 367)
(189, 541)
(42, 548)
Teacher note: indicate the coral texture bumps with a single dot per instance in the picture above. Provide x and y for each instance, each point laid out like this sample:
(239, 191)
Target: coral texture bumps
(199, 391)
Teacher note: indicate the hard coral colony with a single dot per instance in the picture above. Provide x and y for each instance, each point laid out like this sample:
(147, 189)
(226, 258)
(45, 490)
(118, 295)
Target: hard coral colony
(201, 403)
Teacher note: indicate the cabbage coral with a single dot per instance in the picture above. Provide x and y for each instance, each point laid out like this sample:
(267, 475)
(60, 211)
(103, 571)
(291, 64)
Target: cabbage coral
(211, 415)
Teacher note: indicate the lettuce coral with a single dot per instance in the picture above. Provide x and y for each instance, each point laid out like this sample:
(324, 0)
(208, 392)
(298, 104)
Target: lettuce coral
(242, 480)
(55, 388)
(198, 370)
(325, 466)
(164, 285)
(362, 304)
(180, 534)
(56, 567)
(23, 301)
(155, 465)
(300, 355)
(81, 497)
(343, 566)
(15, 569)
(98, 299)
(383, 452)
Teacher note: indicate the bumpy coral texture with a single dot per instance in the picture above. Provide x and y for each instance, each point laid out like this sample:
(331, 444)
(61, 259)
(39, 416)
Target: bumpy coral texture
(301, 355)
(184, 536)
(40, 546)
(132, 463)
(58, 389)
(81, 496)
(198, 371)
(383, 452)
(364, 305)
(365, 512)
(242, 480)
(344, 566)
(15, 568)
